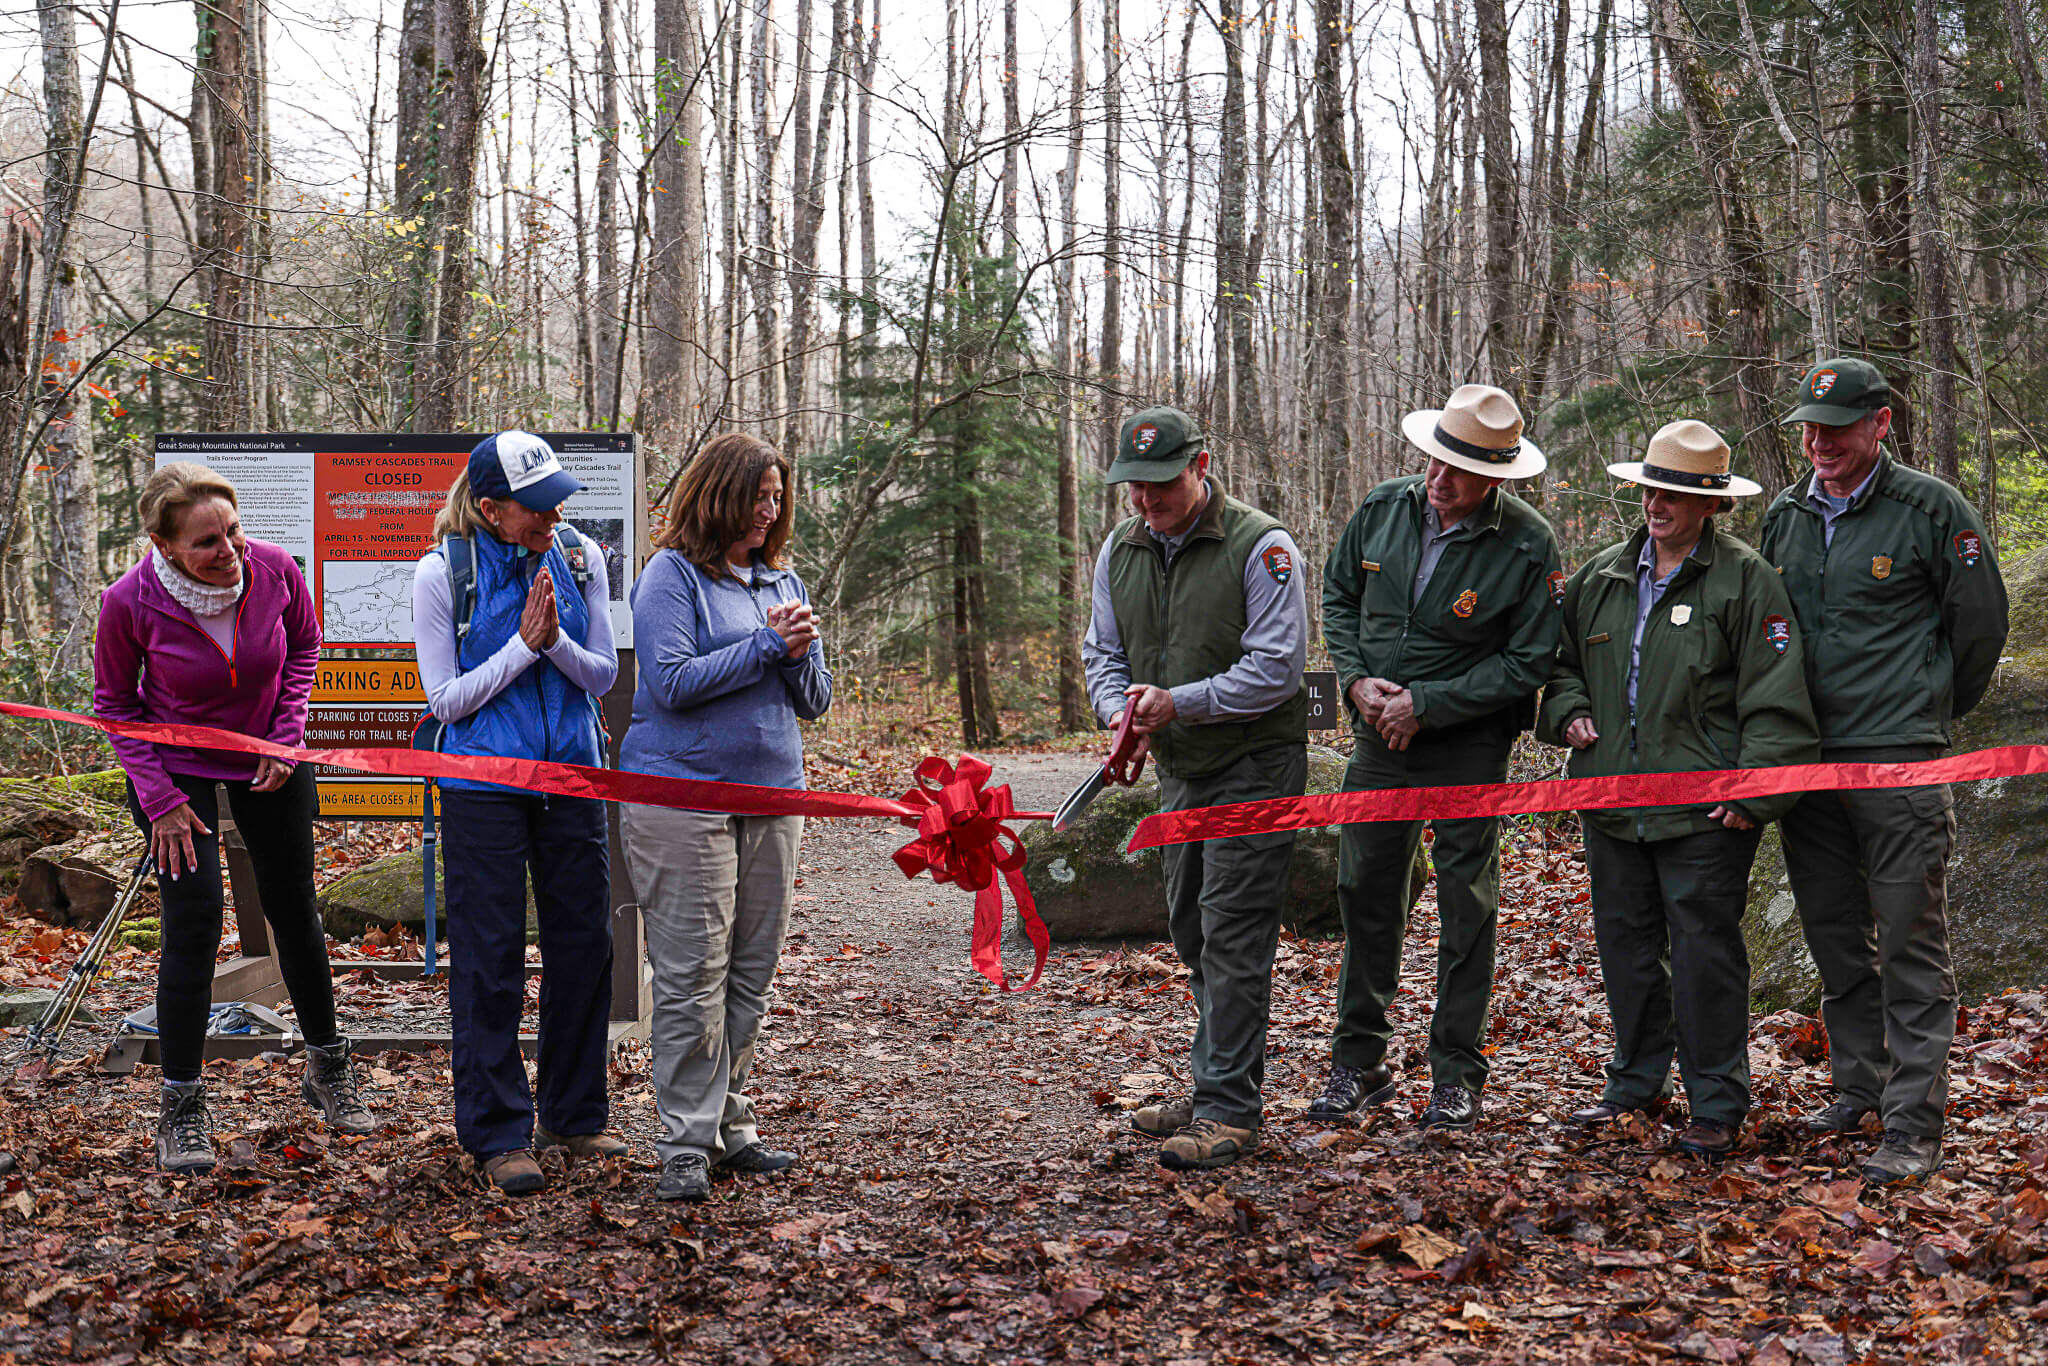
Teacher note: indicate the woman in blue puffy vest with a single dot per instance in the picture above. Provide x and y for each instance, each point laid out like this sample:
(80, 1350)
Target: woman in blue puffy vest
(515, 670)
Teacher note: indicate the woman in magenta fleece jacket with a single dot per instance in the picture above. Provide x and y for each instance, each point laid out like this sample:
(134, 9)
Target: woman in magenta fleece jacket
(214, 629)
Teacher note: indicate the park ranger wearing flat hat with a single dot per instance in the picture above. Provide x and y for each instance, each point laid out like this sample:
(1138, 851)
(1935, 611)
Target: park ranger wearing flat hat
(1899, 598)
(1440, 609)
(1200, 627)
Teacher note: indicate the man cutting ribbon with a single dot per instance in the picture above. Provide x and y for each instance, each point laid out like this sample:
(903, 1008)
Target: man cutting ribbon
(1199, 629)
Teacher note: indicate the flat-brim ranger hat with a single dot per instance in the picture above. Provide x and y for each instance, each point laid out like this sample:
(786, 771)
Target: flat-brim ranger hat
(1478, 429)
(1154, 446)
(521, 466)
(1686, 456)
(1838, 392)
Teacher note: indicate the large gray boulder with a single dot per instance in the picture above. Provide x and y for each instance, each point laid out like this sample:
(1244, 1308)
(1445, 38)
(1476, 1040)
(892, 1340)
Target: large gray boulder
(390, 892)
(1087, 887)
(1998, 936)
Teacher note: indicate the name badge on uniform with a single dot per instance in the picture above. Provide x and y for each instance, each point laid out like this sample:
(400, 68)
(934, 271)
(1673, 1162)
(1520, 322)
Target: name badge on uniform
(1600, 639)
(1681, 614)
(1370, 566)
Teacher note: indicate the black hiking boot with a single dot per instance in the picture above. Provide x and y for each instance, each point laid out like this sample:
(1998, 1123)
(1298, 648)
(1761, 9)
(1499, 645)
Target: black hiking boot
(1352, 1091)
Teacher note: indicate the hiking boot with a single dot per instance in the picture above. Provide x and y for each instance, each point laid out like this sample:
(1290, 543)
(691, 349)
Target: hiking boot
(1164, 1121)
(1838, 1116)
(1206, 1143)
(756, 1159)
(580, 1145)
(184, 1146)
(1451, 1107)
(1350, 1091)
(1902, 1157)
(1705, 1139)
(1608, 1111)
(330, 1088)
(515, 1173)
(686, 1176)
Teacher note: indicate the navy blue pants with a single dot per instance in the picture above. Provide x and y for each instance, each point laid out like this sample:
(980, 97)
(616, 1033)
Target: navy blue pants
(490, 840)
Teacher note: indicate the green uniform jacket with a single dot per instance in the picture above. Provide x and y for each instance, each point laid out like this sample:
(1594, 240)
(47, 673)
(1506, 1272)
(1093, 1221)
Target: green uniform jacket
(1904, 615)
(1721, 683)
(1479, 642)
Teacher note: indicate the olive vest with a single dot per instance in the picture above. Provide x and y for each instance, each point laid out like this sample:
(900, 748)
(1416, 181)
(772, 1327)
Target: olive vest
(1185, 621)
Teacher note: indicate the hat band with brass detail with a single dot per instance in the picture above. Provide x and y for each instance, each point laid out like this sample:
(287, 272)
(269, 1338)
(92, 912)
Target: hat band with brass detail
(1685, 477)
(1472, 452)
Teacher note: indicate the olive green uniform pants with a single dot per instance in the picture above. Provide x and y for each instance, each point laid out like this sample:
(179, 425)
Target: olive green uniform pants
(1667, 915)
(1223, 902)
(1373, 863)
(1870, 873)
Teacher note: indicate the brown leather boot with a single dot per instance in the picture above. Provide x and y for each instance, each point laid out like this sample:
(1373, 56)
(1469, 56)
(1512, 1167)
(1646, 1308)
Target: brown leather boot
(515, 1173)
(580, 1145)
(1163, 1121)
(1206, 1143)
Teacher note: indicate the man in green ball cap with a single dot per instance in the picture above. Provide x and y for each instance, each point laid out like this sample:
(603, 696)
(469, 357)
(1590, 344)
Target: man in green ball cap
(1200, 629)
(1903, 614)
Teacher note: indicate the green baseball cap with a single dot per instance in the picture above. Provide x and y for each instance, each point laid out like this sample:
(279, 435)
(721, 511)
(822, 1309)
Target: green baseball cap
(1838, 392)
(1154, 446)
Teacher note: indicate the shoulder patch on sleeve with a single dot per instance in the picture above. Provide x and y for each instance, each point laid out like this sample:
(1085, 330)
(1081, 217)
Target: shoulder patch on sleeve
(1279, 562)
(1557, 586)
(1778, 632)
(1969, 547)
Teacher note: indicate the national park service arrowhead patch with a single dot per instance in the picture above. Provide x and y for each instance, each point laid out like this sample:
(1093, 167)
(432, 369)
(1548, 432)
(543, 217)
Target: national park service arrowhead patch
(1143, 437)
(1823, 380)
(1778, 632)
(1279, 563)
(1557, 586)
(1969, 548)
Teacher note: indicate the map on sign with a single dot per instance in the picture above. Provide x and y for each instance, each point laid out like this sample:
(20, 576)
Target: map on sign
(367, 599)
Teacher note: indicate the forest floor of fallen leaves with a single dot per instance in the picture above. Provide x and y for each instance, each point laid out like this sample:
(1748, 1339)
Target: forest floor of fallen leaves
(969, 1190)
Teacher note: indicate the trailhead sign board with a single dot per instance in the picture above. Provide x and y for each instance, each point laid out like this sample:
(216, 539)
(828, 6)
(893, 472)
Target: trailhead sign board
(357, 512)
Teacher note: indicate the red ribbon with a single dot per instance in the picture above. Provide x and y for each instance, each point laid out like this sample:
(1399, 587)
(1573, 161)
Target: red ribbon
(961, 835)
(961, 839)
(1574, 794)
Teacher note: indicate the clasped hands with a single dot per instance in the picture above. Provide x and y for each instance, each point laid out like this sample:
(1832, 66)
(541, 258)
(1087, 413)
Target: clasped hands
(796, 623)
(1388, 708)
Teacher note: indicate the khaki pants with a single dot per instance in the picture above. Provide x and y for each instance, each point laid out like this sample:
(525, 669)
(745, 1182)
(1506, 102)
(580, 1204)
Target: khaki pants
(715, 894)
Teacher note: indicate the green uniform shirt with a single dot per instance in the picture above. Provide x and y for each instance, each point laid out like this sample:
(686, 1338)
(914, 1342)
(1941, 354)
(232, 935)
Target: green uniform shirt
(1722, 682)
(1904, 614)
(1185, 620)
(1478, 642)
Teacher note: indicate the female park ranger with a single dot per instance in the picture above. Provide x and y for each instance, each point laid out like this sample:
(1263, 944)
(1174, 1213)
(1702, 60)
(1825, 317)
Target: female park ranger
(1678, 654)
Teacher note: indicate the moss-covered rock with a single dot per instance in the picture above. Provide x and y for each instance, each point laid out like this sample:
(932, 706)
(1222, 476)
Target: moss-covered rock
(37, 813)
(392, 891)
(1997, 936)
(1087, 887)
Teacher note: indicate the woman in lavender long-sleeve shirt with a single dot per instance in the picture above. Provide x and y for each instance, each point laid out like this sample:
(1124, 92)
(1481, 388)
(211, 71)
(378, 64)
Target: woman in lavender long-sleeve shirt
(729, 661)
(214, 629)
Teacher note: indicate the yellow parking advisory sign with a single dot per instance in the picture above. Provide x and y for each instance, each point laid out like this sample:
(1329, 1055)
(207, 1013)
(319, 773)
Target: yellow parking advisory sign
(370, 799)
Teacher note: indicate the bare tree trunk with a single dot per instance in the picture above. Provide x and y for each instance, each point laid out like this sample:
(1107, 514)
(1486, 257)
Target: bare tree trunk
(1233, 288)
(812, 156)
(67, 447)
(607, 193)
(762, 255)
(869, 53)
(1329, 385)
(225, 213)
(2030, 75)
(675, 261)
(1503, 208)
(1567, 191)
(1937, 317)
(1073, 711)
(1013, 124)
(441, 68)
(586, 372)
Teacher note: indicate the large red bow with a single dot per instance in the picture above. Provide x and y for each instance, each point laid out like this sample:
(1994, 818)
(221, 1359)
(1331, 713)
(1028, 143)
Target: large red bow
(961, 839)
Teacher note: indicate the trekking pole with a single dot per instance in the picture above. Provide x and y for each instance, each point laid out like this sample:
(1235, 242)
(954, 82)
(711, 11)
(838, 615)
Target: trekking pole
(47, 1034)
